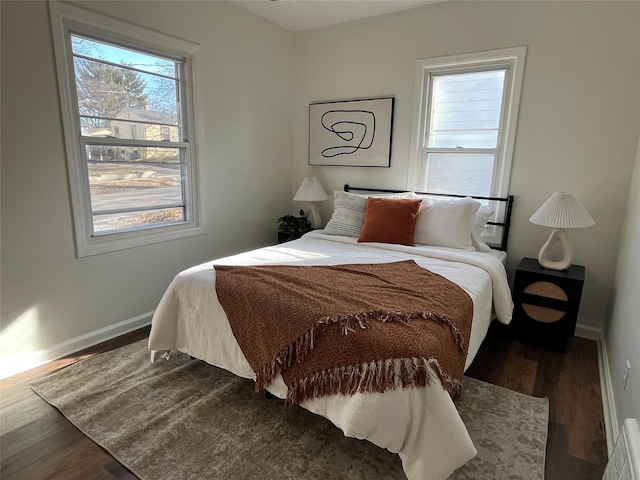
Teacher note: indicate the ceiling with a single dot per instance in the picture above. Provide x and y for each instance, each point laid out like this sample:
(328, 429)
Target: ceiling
(297, 15)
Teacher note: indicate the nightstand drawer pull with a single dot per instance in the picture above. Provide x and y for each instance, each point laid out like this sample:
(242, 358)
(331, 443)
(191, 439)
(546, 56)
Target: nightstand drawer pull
(543, 314)
(544, 301)
(546, 289)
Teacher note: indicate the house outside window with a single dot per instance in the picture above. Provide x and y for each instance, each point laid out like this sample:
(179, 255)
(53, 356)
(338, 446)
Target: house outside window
(465, 113)
(165, 134)
(118, 79)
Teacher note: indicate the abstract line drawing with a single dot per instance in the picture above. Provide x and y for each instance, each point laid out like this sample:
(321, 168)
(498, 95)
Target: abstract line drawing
(353, 133)
(346, 127)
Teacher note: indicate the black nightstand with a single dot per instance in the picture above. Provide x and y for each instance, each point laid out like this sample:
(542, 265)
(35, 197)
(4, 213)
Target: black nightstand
(284, 237)
(547, 302)
(287, 237)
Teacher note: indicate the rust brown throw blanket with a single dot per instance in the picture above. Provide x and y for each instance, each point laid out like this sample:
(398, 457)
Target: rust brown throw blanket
(347, 328)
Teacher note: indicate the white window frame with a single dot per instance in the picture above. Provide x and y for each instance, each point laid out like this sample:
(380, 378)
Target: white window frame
(511, 58)
(66, 19)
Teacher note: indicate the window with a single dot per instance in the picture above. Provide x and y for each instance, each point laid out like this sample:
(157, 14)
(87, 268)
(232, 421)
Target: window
(117, 81)
(165, 134)
(465, 114)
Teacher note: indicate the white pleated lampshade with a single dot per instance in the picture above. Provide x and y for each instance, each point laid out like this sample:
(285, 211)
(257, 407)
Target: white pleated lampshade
(310, 191)
(562, 210)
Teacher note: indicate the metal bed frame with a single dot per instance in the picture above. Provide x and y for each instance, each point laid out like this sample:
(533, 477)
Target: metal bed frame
(503, 220)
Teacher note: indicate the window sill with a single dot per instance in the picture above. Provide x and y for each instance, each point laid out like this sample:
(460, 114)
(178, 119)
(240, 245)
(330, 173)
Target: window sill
(121, 241)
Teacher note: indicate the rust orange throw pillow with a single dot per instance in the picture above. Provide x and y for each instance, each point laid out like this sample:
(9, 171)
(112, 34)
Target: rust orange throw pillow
(388, 220)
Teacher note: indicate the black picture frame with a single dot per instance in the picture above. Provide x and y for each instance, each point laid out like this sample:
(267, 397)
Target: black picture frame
(352, 133)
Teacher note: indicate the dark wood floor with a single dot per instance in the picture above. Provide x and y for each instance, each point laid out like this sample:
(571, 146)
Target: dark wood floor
(37, 442)
(576, 445)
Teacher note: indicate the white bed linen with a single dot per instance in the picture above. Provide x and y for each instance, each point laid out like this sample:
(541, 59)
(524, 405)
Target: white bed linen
(422, 425)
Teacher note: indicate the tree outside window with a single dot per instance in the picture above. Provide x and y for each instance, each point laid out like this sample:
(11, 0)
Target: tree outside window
(127, 112)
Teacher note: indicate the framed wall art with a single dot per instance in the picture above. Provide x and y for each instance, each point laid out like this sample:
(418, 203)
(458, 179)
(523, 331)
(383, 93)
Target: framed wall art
(354, 133)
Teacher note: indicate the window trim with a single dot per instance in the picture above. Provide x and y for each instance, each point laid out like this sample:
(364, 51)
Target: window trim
(66, 18)
(514, 58)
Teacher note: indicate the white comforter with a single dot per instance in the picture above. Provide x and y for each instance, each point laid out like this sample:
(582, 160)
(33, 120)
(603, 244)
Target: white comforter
(422, 425)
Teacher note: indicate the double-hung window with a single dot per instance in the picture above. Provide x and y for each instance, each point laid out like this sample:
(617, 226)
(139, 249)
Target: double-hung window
(465, 114)
(128, 116)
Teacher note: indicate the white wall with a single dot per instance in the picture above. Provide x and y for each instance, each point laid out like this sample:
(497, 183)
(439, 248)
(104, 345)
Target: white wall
(623, 332)
(48, 295)
(579, 115)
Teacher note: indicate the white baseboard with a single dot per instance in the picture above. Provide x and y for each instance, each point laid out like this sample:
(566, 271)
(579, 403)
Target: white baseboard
(23, 362)
(606, 387)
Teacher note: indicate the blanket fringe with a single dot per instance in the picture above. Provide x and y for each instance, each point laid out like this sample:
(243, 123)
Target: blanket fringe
(376, 376)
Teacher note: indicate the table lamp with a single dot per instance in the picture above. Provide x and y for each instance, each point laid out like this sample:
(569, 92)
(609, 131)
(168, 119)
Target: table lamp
(562, 210)
(311, 191)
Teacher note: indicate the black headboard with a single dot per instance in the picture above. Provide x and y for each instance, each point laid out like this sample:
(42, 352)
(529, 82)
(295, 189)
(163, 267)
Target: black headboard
(503, 215)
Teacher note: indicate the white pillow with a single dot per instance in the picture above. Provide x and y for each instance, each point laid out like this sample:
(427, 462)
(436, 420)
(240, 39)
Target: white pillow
(482, 217)
(349, 209)
(447, 223)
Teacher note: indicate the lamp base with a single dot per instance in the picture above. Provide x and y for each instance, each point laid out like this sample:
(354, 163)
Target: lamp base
(314, 216)
(557, 235)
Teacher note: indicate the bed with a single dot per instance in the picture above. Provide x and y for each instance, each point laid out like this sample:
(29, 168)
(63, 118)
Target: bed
(421, 424)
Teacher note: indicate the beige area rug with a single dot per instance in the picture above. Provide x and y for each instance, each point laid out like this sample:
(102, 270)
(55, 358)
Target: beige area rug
(184, 419)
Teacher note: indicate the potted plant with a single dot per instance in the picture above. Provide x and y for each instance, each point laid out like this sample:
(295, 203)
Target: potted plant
(292, 227)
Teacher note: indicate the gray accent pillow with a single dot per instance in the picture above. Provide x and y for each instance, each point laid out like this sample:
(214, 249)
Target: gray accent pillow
(348, 214)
